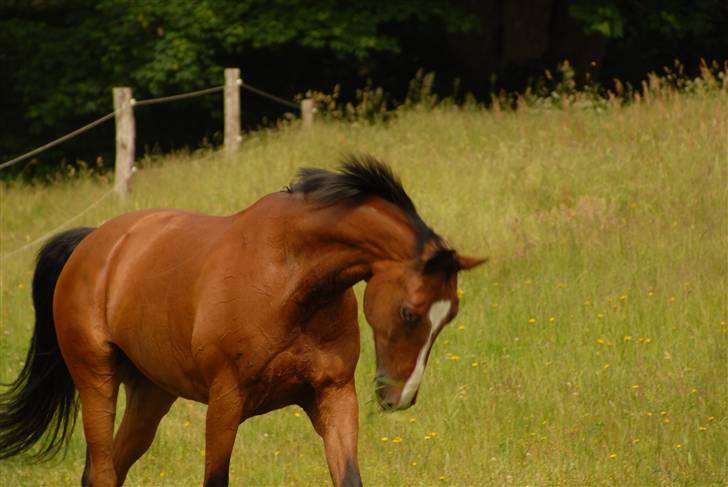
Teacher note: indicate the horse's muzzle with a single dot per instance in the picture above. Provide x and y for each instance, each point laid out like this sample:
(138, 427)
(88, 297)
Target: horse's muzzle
(388, 392)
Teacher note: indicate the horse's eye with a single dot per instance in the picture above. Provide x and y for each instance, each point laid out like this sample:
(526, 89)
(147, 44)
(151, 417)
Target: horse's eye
(408, 316)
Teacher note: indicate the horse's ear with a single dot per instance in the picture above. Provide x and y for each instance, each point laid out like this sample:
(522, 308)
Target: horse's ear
(465, 262)
(444, 260)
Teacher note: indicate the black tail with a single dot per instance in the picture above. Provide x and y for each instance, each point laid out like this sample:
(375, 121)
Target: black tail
(43, 398)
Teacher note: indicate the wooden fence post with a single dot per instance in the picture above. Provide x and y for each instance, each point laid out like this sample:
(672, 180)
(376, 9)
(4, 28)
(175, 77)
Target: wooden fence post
(307, 112)
(232, 110)
(124, 117)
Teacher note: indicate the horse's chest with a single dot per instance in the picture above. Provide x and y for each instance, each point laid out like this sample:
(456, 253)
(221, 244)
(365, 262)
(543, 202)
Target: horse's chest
(284, 381)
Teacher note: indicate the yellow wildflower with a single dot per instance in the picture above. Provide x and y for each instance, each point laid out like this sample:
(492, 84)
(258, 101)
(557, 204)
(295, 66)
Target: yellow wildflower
(460, 293)
(385, 438)
(532, 321)
(613, 456)
(627, 338)
(396, 439)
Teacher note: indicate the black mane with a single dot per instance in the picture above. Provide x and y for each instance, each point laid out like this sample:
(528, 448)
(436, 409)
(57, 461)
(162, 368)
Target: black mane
(360, 176)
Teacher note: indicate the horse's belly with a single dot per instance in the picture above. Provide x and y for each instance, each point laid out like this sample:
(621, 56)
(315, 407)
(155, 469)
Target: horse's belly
(161, 366)
(154, 334)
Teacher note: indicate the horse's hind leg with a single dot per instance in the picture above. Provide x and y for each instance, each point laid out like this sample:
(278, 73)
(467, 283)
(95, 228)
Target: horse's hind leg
(97, 381)
(146, 405)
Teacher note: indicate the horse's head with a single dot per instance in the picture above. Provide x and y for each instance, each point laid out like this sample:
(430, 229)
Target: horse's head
(412, 276)
(407, 305)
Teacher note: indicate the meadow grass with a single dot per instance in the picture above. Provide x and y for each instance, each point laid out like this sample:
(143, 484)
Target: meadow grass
(590, 350)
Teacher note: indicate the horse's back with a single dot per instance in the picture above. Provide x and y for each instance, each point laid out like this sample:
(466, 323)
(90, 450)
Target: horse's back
(130, 284)
(157, 283)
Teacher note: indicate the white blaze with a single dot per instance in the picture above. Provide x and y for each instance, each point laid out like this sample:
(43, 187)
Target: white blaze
(437, 314)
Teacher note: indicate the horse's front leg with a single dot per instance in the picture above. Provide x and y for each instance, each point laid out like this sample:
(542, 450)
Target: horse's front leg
(334, 413)
(224, 413)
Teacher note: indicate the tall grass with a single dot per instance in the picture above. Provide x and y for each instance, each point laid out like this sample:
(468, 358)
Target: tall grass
(591, 350)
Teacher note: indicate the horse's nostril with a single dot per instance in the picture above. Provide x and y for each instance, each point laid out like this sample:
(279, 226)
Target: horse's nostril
(386, 404)
(381, 394)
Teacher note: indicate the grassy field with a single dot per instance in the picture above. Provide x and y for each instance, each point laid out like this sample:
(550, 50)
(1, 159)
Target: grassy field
(591, 350)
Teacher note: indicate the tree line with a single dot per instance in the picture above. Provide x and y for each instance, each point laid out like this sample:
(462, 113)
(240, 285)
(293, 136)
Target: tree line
(60, 58)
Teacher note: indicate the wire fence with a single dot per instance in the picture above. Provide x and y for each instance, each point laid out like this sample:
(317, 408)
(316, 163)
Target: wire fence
(181, 96)
(60, 227)
(54, 143)
(209, 156)
(262, 93)
(108, 116)
(140, 103)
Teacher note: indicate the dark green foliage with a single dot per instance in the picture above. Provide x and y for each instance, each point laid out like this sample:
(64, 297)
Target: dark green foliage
(64, 56)
(59, 59)
(673, 19)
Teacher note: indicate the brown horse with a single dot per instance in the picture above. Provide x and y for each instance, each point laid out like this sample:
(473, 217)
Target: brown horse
(246, 313)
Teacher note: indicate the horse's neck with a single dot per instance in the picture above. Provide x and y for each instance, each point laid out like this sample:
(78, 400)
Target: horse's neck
(335, 249)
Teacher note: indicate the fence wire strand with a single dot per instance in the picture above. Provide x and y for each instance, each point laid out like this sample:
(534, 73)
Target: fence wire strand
(191, 94)
(265, 94)
(59, 227)
(64, 138)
